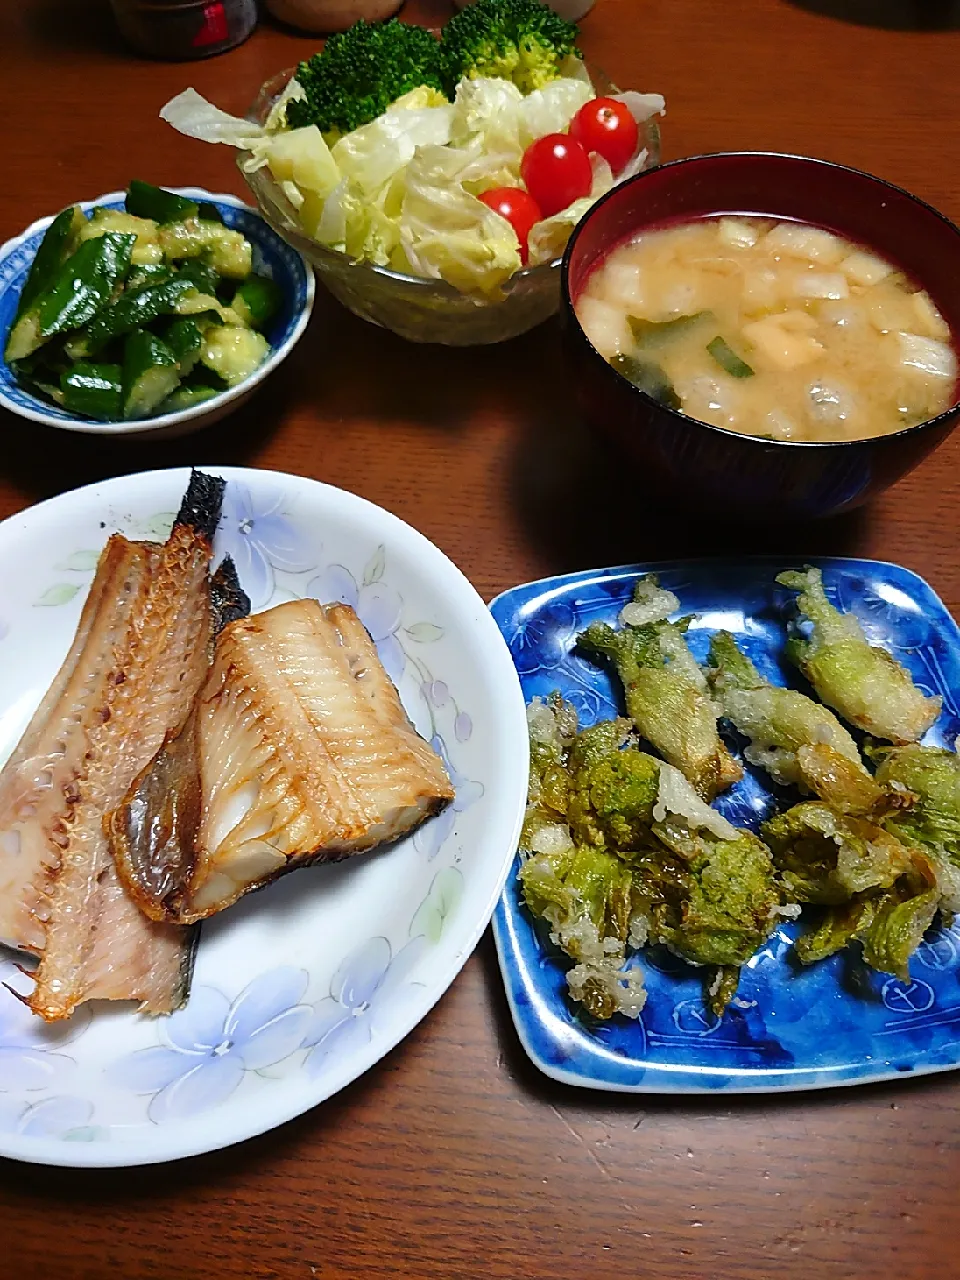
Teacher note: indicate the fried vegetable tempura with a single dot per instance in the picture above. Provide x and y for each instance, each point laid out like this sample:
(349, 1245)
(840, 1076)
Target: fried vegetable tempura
(665, 691)
(867, 686)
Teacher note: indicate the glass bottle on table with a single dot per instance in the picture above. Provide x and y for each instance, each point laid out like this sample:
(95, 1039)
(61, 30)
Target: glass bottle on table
(184, 29)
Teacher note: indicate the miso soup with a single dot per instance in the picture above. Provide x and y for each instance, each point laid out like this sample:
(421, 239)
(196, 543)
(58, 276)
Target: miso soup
(775, 329)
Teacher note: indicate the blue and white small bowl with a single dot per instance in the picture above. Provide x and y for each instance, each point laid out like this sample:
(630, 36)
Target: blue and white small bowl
(272, 256)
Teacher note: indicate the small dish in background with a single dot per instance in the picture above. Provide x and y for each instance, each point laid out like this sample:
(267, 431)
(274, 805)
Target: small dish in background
(272, 256)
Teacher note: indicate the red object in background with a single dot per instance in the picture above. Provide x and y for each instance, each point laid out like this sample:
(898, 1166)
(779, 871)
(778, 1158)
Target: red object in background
(606, 126)
(556, 171)
(215, 29)
(520, 210)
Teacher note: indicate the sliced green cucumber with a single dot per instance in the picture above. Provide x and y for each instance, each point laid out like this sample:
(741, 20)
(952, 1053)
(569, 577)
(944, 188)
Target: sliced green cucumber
(234, 353)
(144, 200)
(150, 374)
(188, 398)
(93, 391)
(59, 241)
(257, 301)
(81, 287)
(184, 337)
(135, 309)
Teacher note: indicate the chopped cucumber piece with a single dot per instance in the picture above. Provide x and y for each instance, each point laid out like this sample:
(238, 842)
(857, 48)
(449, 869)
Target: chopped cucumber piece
(93, 391)
(135, 309)
(59, 241)
(197, 304)
(188, 398)
(728, 360)
(228, 252)
(184, 337)
(148, 273)
(202, 275)
(147, 201)
(146, 251)
(234, 353)
(150, 374)
(80, 289)
(257, 301)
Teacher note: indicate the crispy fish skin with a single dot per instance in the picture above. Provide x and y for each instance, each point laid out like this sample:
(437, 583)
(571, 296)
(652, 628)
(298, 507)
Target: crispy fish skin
(153, 832)
(98, 944)
(305, 755)
(37, 784)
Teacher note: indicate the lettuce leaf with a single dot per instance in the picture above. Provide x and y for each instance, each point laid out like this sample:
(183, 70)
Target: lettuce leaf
(448, 233)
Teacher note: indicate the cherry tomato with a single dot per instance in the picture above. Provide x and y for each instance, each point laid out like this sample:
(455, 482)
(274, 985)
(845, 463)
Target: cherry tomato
(607, 127)
(556, 171)
(520, 210)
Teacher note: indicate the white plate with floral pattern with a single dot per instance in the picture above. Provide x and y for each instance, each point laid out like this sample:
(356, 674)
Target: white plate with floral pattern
(302, 987)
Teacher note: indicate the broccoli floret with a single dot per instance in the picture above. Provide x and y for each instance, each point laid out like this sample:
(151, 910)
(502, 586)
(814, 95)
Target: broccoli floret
(519, 40)
(360, 72)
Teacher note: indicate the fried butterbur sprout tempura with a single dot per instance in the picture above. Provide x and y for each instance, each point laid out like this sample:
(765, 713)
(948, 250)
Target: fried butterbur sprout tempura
(620, 849)
(619, 852)
(665, 691)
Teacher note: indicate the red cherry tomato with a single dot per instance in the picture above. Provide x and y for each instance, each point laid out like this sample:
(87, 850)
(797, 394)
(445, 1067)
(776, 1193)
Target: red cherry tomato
(606, 126)
(556, 171)
(520, 210)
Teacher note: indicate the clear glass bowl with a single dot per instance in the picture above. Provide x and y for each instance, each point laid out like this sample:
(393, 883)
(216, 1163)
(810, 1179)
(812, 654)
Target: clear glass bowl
(419, 309)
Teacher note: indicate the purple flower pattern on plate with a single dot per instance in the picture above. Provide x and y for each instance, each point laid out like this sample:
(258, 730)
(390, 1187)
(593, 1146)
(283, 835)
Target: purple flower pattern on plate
(261, 537)
(28, 1062)
(367, 981)
(377, 606)
(62, 1117)
(213, 1043)
(430, 838)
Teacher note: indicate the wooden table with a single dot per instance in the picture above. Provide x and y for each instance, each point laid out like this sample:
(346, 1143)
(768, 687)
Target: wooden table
(454, 1158)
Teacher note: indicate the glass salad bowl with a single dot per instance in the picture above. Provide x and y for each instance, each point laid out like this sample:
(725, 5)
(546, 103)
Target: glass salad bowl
(416, 308)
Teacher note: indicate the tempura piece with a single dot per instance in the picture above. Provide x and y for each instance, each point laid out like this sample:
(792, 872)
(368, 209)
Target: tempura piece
(583, 893)
(932, 776)
(867, 686)
(874, 886)
(777, 721)
(624, 852)
(665, 691)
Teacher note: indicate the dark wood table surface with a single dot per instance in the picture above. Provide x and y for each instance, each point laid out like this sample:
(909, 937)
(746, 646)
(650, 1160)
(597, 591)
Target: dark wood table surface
(454, 1158)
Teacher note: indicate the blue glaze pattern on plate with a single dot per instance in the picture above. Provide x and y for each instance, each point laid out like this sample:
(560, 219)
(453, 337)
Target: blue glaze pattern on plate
(272, 257)
(789, 1027)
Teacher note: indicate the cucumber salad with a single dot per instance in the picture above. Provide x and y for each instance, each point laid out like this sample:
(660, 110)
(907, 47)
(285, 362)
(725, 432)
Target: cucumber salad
(464, 157)
(146, 310)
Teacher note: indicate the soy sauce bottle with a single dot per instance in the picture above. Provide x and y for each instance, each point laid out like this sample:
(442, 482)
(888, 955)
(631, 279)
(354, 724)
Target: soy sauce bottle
(184, 29)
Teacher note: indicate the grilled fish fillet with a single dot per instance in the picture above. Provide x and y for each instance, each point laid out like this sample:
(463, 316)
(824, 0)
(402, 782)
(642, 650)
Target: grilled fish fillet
(304, 754)
(97, 943)
(37, 784)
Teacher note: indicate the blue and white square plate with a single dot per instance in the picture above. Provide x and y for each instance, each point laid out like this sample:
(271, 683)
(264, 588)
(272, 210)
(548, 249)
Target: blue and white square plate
(789, 1027)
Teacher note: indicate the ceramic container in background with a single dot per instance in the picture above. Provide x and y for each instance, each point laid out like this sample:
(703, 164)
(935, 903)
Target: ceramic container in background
(322, 16)
(184, 29)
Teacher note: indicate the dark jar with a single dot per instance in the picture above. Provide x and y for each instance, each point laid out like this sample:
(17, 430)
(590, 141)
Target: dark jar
(182, 29)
